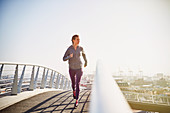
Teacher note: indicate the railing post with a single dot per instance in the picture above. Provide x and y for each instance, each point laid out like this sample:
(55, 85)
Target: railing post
(31, 88)
(36, 77)
(2, 66)
(15, 82)
(62, 82)
(21, 79)
(46, 78)
(161, 99)
(65, 86)
(164, 99)
(153, 99)
(68, 86)
(58, 81)
(138, 97)
(51, 79)
(168, 100)
(43, 80)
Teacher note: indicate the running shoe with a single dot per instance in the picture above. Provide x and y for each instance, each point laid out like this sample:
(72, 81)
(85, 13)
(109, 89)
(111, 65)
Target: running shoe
(76, 104)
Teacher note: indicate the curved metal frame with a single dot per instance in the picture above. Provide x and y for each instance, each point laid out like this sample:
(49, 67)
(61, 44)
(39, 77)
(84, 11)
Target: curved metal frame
(16, 86)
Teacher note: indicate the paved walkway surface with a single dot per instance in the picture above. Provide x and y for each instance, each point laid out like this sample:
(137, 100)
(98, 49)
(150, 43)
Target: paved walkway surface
(52, 102)
(8, 99)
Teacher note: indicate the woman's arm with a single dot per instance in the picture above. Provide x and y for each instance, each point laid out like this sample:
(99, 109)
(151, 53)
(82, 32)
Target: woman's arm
(67, 55)
(84, 57)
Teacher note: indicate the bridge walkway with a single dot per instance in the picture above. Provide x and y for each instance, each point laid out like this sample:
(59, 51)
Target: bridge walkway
(52, 101)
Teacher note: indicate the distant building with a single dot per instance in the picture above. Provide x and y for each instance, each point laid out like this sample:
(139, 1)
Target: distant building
(162, 82)
(160, 75)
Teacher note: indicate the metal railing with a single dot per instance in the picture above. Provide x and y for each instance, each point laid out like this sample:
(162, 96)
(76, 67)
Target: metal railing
(146, 98)
(106, 96)
(15, 78)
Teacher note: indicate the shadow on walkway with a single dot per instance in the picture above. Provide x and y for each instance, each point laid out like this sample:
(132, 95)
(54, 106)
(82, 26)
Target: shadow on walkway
(54, 101)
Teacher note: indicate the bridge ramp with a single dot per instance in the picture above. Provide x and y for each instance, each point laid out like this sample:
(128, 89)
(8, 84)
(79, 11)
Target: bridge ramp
(52, 101)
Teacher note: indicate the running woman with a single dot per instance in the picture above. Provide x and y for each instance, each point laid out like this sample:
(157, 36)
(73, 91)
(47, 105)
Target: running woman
(73, 54)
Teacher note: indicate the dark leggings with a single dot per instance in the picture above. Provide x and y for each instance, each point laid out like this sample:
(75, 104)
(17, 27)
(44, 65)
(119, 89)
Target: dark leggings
(75, 75)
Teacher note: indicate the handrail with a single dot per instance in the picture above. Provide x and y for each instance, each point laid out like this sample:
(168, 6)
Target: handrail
(28, 65)
(18, 80)
(106, 95)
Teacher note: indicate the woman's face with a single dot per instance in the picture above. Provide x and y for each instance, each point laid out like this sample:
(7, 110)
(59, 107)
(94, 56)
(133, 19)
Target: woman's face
(76, 41)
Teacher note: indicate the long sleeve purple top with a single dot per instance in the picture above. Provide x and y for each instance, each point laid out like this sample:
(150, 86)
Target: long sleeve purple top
(75, 61)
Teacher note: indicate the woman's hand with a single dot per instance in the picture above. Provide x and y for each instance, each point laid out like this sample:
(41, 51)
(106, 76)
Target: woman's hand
(85, 64)
(71, 55)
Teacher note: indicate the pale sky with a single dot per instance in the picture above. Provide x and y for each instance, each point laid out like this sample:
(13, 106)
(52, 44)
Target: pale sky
(124, 34)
